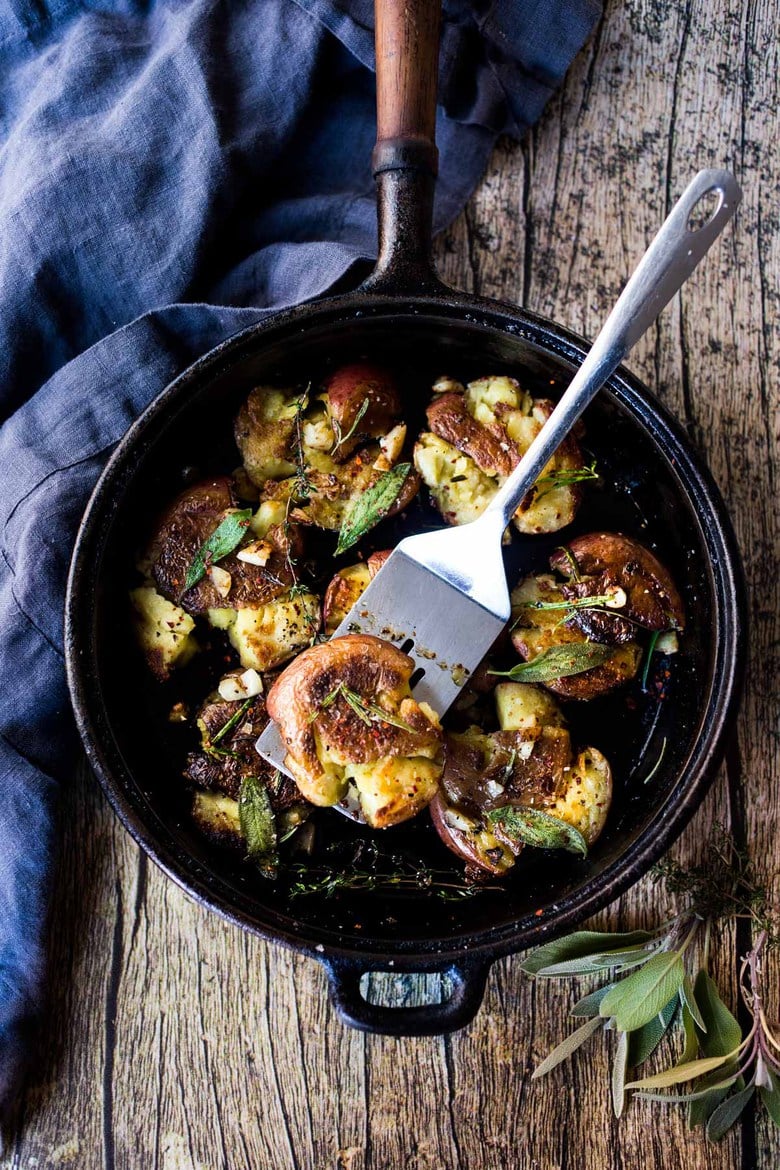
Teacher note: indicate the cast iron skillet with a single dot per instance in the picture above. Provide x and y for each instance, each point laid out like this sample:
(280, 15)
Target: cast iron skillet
(664, 752)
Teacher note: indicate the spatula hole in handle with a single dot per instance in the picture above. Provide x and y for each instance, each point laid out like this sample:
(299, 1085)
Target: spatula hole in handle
(705, 209)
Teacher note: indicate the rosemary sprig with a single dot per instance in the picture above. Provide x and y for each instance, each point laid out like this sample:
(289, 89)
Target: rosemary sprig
(565, 477)
(234, 719)
(652, 979)
(367, 712)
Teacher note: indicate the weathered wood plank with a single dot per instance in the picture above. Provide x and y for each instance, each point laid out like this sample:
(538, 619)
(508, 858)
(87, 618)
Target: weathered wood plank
(175, 1042)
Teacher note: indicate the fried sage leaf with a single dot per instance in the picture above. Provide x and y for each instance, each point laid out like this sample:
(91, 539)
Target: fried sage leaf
(258, 824)
(559, 662)
(224, 539)
(531, 826)
(372, 506)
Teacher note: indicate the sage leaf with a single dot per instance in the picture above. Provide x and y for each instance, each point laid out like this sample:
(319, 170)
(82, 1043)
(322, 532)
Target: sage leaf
(619, 1069)
(680, 1073)
(721, 1086)
(559, 662)
(771, 1099)
(592, 964)
(564, 1050)
(258, 824)
(688, 998)
(723, 1034)
(588, 1006)
(224, 539)
(643, 1042)
(640, 996)
(537, 828)
(722, 1037)
(708, 1092)
(727, 1113)
(691, 1041)
(371, 507)
(577, 944)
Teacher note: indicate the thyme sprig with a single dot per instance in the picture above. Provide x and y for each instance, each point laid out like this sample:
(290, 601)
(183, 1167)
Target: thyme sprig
(655, 977)
(341, 439)
(399, 875)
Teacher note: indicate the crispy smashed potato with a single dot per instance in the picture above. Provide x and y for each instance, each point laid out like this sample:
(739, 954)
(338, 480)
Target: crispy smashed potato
(346, 587)
(314, 456)
(529, 762)
(269, 635)
(346, 713)
(163, 630)
(477, 437)
(537, 630)
(235, 581)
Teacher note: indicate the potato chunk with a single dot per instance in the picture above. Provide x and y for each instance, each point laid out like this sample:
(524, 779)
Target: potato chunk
(528, 763)
(266, 636)
(164, 631)
(475, 441)
(346, 713)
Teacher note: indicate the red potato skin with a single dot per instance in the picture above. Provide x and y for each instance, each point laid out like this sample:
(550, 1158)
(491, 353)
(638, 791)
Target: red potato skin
(653, 599)
(347, 389)
(458, 842)
(489, 447)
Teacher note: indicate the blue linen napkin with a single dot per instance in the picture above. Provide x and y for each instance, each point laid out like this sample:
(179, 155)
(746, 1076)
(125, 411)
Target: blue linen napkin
(171, 171)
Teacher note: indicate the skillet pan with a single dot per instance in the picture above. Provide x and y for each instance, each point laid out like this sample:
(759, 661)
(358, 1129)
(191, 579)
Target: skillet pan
(664, 751)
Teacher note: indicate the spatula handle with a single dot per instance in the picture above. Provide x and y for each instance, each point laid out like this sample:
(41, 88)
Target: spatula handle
(664, 268)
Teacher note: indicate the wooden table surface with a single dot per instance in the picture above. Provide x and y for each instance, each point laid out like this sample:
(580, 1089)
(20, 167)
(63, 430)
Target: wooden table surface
(175, 1041)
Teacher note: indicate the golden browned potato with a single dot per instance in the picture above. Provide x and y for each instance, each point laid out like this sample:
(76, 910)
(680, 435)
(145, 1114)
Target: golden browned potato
(163, 630)
(536, 630)
(347, 715)
(267, 636)
(600, 561)
(346, 587)
(264, 433)
(254, 574)
(528, 763)
(476, 439)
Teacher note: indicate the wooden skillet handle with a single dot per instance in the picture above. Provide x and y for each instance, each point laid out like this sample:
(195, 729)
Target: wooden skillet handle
(405, 157)
(407, 59)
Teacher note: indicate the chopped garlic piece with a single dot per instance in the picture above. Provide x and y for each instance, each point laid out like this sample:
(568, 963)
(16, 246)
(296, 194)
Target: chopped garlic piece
(256, 553)
(235, 687)
(220, 579)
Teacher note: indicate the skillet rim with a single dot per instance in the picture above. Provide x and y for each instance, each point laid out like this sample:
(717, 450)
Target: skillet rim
(726, 590)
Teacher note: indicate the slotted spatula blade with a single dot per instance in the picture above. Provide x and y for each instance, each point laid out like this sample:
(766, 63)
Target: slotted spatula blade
(445, 622)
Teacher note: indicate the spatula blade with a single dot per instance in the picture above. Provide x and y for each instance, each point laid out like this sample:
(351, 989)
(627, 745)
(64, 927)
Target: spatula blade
(446, 633)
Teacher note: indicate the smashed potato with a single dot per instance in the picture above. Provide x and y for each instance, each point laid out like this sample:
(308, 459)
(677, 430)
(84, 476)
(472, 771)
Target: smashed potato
(346, 714)
(266, 636)
(529, 762)
(163, 630)
(477, 437)
(346, 587)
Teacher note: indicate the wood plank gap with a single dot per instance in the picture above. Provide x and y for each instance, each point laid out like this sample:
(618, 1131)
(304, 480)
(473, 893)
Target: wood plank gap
(112, 996)
(743, 932)
(449, 1064)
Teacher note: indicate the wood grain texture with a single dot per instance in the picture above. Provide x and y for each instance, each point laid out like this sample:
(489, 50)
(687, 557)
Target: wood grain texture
(175, 1042)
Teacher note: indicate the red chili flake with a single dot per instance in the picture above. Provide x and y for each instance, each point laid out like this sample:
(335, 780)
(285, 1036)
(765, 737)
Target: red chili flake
(538, 913)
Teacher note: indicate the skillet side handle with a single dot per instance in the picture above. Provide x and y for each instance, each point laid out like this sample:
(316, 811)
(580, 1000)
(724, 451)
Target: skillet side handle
(405, 158)
(467, 976)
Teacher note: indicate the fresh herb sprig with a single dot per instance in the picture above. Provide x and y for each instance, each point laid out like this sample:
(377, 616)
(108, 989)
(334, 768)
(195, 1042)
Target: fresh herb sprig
(367, 712)
(398, 875)
(652, 980)
(565, 477)
(342, 439)
(533, 826)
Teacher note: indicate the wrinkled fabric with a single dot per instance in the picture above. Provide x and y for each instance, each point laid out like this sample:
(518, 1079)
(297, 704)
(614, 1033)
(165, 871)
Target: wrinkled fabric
(170, 172)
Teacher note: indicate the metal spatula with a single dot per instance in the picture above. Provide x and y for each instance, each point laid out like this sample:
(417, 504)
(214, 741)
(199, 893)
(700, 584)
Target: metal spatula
(442, 596)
